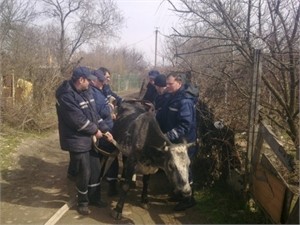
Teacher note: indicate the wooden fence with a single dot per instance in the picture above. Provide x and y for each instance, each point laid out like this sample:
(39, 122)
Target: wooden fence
(270, 178)
(268, 166)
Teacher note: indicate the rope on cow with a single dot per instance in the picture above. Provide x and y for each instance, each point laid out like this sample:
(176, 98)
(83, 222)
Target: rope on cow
(108, 158)
(103, 152)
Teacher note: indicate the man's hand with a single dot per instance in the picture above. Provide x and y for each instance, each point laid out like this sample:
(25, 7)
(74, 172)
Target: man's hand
(111, 107)
(99, 134)
(109, 136)
(113, 116)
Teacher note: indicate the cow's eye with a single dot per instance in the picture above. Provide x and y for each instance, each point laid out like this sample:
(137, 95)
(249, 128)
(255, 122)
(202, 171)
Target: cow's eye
(171, 165)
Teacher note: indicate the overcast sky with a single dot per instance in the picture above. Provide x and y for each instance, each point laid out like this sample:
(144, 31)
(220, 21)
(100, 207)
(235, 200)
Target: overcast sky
(142, 17)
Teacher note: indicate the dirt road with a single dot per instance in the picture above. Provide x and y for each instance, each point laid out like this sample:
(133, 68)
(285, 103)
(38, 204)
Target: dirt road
(35, 187)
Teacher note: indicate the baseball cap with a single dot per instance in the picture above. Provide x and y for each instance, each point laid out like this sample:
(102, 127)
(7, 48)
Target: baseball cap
(84, 72)
(160, 80)
(99, 74)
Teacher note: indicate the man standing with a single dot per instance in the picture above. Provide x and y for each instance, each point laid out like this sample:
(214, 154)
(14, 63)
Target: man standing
(151, 92)
(107, 89)
(104, 110)
(177, 119)
(77, 123)
(160, 86)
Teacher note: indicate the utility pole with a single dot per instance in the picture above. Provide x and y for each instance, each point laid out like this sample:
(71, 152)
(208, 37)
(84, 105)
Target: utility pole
(155, 58)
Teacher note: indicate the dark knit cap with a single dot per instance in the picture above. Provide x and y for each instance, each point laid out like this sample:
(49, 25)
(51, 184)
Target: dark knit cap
(160, 80)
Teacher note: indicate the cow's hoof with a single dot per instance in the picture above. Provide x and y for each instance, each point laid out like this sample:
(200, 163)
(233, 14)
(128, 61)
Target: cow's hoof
(116, 215)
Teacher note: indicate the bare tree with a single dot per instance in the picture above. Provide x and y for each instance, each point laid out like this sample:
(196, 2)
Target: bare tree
(81, 22)
(226, 32)
(13, 15)
(121, 61)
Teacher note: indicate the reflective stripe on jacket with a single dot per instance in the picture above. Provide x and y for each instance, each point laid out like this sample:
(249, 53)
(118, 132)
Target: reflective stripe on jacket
(77, 117)
(177, 117)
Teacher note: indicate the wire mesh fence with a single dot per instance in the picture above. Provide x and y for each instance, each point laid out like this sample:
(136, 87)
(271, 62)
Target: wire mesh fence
(126, 83)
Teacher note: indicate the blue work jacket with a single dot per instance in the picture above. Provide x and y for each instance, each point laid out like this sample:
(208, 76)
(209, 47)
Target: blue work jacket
(103, 109)
(77, 118)
(177, 116)
(108, 93)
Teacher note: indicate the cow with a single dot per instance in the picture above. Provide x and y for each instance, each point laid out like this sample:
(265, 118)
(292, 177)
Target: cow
(147, 149)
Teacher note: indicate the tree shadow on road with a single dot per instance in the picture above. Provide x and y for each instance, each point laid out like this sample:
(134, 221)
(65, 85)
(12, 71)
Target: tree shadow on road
(160, 210)
(36, 183)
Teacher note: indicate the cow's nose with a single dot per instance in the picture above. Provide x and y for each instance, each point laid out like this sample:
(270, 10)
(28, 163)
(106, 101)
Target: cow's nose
(187, 191)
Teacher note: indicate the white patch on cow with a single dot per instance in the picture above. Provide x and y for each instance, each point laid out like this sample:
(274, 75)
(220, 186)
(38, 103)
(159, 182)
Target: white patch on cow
(178, 168)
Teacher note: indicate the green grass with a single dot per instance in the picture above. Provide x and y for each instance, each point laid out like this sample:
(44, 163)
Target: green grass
(220, 205)
(8, 146)
(10, 139)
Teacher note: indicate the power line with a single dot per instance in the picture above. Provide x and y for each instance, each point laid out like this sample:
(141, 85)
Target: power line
(137, 42)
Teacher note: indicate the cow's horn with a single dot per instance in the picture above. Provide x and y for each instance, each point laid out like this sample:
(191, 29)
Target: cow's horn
(192, 143)
(165, 147)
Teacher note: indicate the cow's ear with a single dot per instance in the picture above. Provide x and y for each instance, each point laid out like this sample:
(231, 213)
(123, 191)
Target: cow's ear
(149, 107)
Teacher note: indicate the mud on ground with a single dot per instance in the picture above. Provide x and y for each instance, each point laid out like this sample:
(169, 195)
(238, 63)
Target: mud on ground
(35, 187)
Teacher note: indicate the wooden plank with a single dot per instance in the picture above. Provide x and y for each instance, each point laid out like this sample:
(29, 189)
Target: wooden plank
(290, 190)
(294, 216)
(269, 191)
(288, 198)
(267, 164)
(59, 213)
(276, 146)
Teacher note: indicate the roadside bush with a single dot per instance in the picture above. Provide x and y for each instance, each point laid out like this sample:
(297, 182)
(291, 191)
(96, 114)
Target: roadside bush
(36, 112)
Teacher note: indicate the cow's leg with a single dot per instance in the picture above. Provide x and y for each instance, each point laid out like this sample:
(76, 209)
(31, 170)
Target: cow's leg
(129, 171)
(145, 199)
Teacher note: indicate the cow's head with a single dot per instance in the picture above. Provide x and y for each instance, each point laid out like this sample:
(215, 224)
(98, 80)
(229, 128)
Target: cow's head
(177, 167)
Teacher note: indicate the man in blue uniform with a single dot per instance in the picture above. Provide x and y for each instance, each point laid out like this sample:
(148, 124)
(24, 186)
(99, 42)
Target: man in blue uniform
(151, 91)
(104, 110)
(160, 86)
(77, 123)
(177, 119)
(107, 89)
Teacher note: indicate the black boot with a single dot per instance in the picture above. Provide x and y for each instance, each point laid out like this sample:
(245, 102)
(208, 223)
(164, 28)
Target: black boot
(82, 204)
(99, 203)
(95, 197)
(83, 210)
(112, 188)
